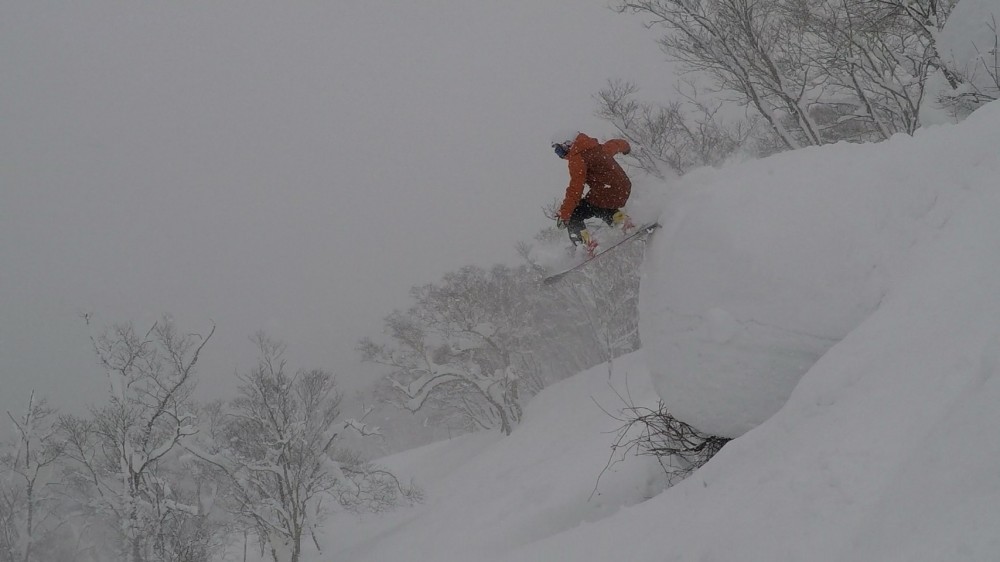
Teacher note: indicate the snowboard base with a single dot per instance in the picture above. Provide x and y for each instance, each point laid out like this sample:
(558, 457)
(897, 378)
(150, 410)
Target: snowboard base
(639, 233)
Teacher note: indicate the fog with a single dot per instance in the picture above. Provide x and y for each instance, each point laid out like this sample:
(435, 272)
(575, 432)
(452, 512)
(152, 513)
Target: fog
(292, 168)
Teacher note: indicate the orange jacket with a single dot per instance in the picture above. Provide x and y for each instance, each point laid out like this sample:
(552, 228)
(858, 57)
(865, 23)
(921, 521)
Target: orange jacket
(593, 163)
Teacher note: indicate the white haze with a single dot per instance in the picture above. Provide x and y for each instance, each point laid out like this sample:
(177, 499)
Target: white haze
(287, 167)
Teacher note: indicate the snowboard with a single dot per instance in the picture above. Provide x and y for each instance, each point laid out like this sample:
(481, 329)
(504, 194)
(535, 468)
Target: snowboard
(640, 233)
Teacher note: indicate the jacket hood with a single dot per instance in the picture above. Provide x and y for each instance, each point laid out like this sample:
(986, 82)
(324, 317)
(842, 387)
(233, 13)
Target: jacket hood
(583, 142)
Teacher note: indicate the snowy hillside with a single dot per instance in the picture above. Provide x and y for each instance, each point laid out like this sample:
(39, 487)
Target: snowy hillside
(886, 448)
(862, 282)
(487, 495)
(763, 267)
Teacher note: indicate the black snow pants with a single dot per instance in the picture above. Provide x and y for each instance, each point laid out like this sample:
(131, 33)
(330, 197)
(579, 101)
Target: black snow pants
(585, 211)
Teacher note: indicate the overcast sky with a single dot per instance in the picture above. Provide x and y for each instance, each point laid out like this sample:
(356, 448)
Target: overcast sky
(287, 167)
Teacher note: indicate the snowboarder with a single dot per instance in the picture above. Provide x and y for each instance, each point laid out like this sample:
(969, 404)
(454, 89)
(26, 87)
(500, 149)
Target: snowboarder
(593, 164)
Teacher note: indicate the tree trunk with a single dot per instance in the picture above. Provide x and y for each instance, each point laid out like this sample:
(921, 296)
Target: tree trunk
(136, 550)
(133, 524)
(297, 543)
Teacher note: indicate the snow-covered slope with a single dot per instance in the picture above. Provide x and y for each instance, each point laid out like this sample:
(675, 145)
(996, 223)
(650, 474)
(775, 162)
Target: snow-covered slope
(886, 449)
(762, 268)
(884, 271)
(486, 495)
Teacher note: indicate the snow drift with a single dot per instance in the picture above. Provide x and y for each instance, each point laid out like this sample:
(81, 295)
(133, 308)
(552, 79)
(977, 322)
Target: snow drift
(885, 449)
(761, 268)
(885, 309)
(487, 495)
(764, 267)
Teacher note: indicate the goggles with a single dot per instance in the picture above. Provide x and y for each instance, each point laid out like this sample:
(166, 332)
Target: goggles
(561, 150)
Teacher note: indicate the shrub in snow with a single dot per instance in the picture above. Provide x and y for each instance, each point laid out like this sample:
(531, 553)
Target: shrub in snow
(679, 448)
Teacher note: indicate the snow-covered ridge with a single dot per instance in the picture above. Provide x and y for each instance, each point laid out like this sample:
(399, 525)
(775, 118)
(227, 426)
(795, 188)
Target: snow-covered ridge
(761, 268)
(885, 448)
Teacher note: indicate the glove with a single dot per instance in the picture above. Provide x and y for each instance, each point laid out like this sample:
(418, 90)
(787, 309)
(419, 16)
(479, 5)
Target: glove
(560, 224)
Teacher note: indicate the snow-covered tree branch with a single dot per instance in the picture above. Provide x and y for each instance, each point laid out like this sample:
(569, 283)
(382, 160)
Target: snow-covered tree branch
(120, 456)
(815, 72)
(462, 346)
(29, 466)
(276, 446)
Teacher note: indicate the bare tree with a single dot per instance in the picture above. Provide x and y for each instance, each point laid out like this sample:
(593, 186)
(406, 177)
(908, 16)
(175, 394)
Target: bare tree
(877, 58)
(746, 48)
(815, 71)
(31, 462)
(275, 445)
(462, 346)
(590, 316)
(979, 78)
(476, 346)
(120, 456)
(81, 484)
(11, 506)
(685, 134)
(927, 18)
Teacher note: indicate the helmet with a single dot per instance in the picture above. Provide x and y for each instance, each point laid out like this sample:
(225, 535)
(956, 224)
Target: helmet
(563, 140)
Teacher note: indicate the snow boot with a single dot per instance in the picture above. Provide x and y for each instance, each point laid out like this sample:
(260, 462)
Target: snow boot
(589, 243)
(620, 218)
